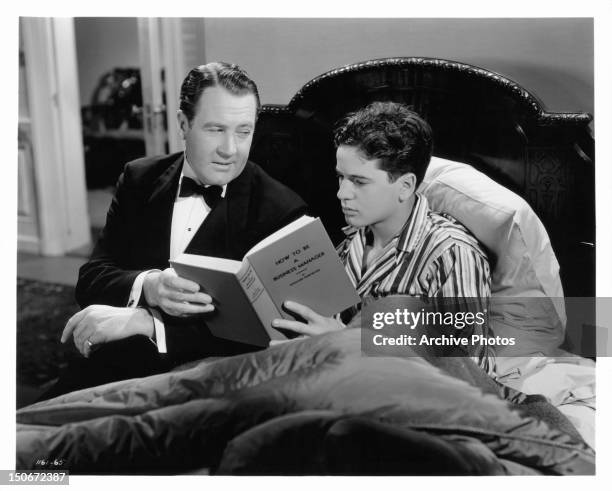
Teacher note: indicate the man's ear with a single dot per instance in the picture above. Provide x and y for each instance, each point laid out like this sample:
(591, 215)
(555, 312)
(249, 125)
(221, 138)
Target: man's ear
(183, 123)
(407, 186)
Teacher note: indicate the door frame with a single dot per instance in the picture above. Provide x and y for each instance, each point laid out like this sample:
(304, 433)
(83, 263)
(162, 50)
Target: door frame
(56, 139)
(55, 120)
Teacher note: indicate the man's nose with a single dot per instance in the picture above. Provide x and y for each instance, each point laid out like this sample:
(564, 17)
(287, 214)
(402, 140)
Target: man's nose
(227, 147)
(344, 190)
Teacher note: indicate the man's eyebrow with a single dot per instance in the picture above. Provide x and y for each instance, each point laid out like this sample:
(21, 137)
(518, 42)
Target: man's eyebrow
(214, 124)
(210, 124)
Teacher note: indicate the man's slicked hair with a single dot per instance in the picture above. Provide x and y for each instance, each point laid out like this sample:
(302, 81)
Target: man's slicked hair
(391, 132)
(215, 74)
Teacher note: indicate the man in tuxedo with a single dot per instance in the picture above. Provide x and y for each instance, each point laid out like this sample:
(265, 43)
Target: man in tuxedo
(138, 316)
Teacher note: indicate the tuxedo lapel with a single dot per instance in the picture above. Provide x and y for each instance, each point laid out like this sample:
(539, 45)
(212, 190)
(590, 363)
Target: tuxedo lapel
(160, 207)
(166, 185)
(223, 232)
(238, 206)
(211, 238)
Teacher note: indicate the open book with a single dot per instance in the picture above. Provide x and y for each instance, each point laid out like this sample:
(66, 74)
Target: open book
(298, 262)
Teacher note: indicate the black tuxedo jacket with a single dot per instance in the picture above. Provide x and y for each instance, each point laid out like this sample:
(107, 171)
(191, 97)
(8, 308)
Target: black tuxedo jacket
(136, 237)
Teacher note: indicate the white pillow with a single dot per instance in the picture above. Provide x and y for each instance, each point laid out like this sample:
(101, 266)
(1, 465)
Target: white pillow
(523, 264)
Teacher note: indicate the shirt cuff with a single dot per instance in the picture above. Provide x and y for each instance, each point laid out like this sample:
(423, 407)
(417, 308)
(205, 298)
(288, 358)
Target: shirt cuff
(160, 330)
(136, 291)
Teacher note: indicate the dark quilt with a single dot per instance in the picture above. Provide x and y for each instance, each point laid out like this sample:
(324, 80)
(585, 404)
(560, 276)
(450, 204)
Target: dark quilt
(309, 406)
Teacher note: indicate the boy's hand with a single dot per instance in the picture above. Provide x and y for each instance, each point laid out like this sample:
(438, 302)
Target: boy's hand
(316, 323)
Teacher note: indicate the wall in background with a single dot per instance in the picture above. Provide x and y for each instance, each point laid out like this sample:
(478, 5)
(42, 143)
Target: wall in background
(103, 44)
(553, 58)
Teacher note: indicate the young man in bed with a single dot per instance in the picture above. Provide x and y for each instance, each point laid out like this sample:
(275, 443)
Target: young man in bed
(395, 244)
(138, 316)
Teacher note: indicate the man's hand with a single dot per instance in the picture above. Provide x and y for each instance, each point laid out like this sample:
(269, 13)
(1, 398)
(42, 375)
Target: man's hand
(316, 323)
(99, 324)
(175, 295)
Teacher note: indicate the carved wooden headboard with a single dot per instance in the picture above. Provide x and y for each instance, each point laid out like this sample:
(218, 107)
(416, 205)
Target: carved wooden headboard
(477, 116)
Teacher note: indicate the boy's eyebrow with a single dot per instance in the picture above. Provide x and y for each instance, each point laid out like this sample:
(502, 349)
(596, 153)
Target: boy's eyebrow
(351, 176)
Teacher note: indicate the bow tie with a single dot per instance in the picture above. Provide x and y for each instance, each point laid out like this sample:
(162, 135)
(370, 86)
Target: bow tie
(211, 194)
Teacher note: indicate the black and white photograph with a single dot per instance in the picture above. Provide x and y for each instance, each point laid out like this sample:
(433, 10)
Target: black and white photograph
(308, 245)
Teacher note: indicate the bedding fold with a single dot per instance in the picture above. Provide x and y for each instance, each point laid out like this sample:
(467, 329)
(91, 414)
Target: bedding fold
(211, 415)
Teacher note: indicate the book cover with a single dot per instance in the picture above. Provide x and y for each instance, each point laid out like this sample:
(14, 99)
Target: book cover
(219, 278)
(304, 267)
(297, 263)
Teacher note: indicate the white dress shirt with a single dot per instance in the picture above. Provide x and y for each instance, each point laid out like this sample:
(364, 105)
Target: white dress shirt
(187, 216)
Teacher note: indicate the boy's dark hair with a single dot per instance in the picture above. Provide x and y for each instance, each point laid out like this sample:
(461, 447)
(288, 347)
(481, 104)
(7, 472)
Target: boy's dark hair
(215, 74)
(391, 132)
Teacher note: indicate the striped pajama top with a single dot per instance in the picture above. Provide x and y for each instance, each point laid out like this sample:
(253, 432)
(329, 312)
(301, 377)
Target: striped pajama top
(432, 256)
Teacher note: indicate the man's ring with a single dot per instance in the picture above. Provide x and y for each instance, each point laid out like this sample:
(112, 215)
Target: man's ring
(89, 343)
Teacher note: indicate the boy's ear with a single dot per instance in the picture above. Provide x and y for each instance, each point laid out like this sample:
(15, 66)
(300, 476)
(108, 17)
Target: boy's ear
(408, 185)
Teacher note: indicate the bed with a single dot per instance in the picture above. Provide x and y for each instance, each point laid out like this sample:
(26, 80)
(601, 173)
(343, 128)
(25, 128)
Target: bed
(519, 177)
(477, 116)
